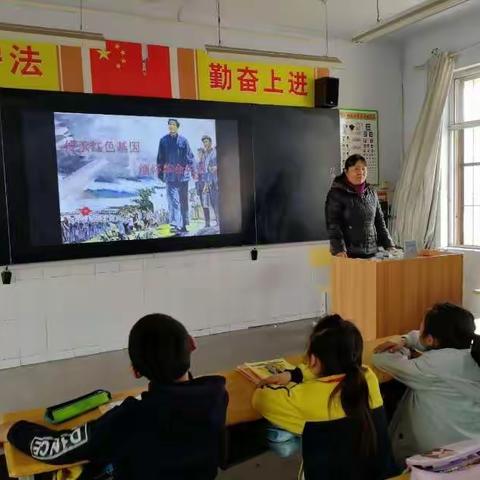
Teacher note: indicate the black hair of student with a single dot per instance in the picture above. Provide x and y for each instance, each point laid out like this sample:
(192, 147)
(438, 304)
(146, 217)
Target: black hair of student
(339, 349)
(353, 159)
(207, 137)
(325, 322)
(452, 327)
(328, 321)
(173, 120)
(159, 348)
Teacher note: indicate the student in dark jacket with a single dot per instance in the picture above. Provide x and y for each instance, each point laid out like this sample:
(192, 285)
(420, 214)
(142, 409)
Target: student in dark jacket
(173, 432)
(355, 223)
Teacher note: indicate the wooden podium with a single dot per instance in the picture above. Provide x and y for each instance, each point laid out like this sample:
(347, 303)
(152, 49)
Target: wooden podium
(390, 297)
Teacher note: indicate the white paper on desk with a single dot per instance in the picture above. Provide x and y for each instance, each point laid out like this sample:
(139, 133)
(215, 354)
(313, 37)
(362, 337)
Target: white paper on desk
(108, 406)
(470, 474)
(457, 461)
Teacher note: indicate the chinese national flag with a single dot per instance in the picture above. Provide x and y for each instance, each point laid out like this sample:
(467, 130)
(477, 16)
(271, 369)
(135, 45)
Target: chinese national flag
(121, 69)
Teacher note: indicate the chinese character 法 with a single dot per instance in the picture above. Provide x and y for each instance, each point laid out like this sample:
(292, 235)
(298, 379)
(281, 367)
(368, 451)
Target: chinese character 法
(28, 58)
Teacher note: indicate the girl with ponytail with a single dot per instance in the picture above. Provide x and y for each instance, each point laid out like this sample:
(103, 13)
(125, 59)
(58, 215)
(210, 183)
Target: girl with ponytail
(332, 384)
(442, 402)
(338, 351)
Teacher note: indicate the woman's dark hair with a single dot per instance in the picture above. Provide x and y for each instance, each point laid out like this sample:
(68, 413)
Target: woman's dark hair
(353, 159)
(452, 327)
(159, 348)
(338, 345)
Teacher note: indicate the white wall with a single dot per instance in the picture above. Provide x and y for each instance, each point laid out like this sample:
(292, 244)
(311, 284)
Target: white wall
(80, 307)
(65, 309)
(451, 36)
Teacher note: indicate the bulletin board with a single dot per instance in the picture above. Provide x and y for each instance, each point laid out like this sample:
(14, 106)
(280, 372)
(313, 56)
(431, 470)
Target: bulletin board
(359, 134)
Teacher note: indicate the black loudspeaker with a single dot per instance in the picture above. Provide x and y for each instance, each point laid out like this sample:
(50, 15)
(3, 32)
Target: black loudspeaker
(326, 92)
(6, 276)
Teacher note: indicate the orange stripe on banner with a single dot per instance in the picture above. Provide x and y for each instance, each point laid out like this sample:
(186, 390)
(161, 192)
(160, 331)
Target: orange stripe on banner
(59, 68)
(322, 72)
(187, 73)
(72, 70)
(197, 79)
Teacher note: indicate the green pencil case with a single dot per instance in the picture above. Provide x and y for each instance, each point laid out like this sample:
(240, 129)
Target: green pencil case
(78, 406)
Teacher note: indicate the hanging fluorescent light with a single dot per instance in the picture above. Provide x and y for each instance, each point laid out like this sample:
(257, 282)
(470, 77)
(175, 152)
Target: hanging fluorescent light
(296, 57)
(66, 37)
(280, 57)
(408, 17)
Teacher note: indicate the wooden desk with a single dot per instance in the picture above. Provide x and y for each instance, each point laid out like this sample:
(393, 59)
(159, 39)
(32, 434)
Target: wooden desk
(239, 410)
(391, 297)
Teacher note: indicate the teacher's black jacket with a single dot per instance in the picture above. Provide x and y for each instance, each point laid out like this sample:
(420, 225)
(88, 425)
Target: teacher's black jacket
(355, 222)
(173, 433)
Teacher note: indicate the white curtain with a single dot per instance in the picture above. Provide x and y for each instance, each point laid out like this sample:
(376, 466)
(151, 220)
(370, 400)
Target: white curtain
(416, 201)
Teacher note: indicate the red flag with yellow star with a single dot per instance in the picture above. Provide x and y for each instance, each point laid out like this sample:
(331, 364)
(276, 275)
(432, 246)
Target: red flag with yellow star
(125, 68)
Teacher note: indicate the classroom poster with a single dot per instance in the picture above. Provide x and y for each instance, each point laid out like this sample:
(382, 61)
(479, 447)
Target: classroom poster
(359, 134)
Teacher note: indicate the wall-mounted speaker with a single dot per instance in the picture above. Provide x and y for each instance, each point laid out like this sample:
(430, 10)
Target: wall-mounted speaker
(326, 92)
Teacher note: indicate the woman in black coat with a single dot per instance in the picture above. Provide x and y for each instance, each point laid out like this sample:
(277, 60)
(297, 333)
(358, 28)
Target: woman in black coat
(355, 223)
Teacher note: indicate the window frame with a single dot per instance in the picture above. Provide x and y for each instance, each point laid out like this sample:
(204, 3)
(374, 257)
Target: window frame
(456, 155)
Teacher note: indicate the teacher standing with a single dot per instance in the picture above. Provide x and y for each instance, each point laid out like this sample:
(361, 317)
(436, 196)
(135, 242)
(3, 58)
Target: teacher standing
(355, 223)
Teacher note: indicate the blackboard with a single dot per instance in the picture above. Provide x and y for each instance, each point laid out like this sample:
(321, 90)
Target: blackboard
(296, 154)
(288, 157)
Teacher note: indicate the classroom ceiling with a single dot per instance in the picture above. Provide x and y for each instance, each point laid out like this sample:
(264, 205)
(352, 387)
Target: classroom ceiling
(290, 17)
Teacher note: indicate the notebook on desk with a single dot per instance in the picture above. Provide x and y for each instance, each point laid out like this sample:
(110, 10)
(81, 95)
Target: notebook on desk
(259, 370)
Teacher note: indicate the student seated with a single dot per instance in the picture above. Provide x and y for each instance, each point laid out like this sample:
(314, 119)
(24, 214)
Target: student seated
(173, 432)
(442, 403)
(333, 385)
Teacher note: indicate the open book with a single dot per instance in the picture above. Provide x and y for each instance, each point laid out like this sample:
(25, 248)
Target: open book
(458, 461)
(259, 370)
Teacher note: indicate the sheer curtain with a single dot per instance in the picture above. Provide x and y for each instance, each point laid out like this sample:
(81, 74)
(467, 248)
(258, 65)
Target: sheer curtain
(417, 196)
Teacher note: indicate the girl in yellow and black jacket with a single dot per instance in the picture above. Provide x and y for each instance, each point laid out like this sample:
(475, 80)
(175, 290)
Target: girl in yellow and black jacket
(332, 385)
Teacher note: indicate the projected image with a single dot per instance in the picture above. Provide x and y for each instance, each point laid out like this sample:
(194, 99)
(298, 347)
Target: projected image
(136, 178)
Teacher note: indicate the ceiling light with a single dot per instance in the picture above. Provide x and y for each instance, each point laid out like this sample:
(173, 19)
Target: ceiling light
(280, 57)
(65, 37)
(408, 17)
(287, 57)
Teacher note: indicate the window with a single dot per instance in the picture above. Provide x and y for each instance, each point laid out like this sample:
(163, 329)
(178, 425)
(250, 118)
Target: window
(464, 129)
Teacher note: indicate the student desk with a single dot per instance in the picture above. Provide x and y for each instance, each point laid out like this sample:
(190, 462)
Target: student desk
(240, 410)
